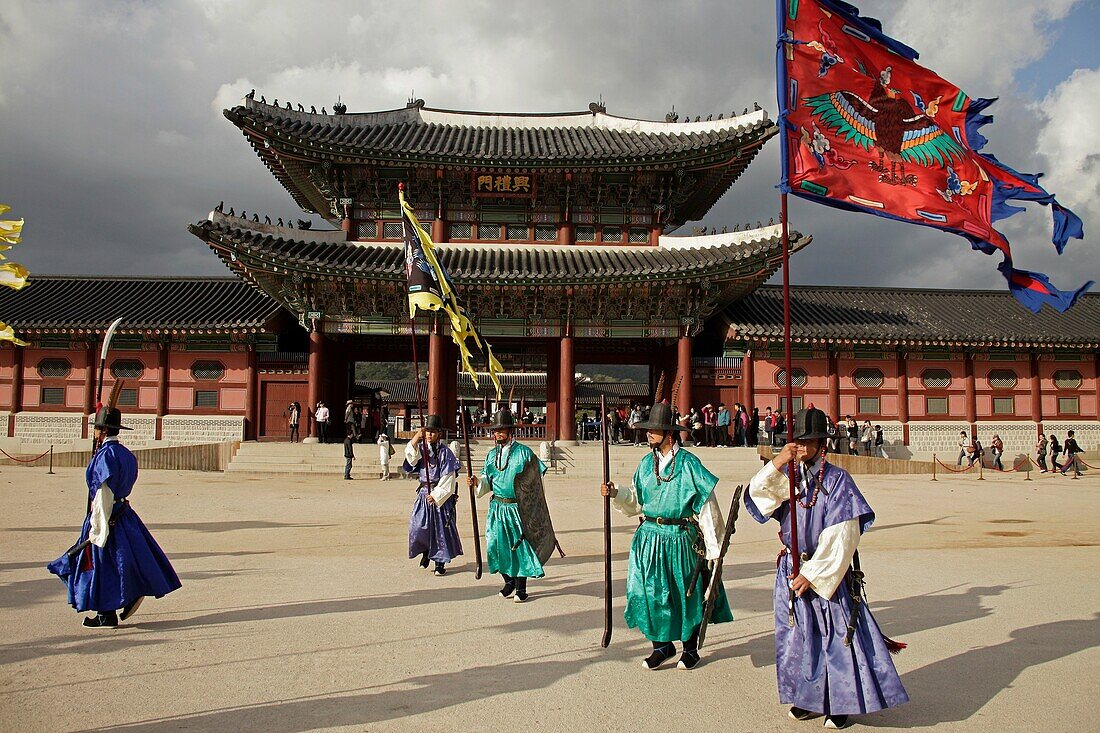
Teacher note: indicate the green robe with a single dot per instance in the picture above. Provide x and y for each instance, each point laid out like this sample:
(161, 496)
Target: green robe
(662, 560)
(503, 526)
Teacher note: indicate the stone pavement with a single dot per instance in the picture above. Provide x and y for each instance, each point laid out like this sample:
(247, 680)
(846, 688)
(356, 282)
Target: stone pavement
(299, 611)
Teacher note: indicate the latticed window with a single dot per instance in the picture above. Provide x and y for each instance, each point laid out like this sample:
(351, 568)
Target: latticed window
(53, 395)
(516, 233)
(1002, 379)
(127, 398)
(783, 404)
(638, 236)
(868, 378)
(546, 233)
(799, 379)
(207, 371)
(612, 234)
(206, 398)
(1069, 406)
(461, 231)
(127, 369)
(1067, 379)
(936, 405)
(54, 369)
(393, 230)
(586, 234)
(488, 231)
(366, 230)
(868, 406)
(1004, 405)
(936, 379)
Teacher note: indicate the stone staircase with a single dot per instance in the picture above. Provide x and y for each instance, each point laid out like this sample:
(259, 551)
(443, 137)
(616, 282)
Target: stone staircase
(570, 461)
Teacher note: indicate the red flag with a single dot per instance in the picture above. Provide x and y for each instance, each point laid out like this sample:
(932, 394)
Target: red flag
(868, 129)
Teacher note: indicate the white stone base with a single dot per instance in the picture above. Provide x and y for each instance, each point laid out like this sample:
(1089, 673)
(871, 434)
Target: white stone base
(196, 429)
(48, 428)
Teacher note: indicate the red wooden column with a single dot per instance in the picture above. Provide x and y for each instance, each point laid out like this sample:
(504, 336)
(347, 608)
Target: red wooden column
(89, 386)
(1096, 381)
(567, 374)
(748, 381)
(683, 373)
(833, 370)
(565, 233)
(903, 396)
(16, 389)
(162, 389)
(251, 403)
(437, 372)
(439, 230)
(1036, 392)
(971, 392)
(553, 382)
(316, 367)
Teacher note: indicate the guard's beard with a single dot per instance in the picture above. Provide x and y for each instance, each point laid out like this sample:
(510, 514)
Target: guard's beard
(504, 441)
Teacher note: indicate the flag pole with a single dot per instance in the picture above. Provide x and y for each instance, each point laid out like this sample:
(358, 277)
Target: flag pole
(782, 93)
(416, 360)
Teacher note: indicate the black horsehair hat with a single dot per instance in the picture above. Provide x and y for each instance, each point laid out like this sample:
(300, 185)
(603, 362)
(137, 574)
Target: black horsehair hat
(810, 424)
(660, 415)
(433, 423)
(108, 417)
(503, 420)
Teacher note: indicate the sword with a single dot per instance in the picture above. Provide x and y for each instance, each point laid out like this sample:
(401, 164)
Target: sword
(716, 575)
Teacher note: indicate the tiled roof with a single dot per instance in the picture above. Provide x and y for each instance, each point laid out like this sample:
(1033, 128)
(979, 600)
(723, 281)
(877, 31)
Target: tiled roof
(317, 252)
(420, 133)
(902, 315)
(63, 302)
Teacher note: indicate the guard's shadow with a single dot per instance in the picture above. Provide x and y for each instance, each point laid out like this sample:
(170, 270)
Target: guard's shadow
(956, 688)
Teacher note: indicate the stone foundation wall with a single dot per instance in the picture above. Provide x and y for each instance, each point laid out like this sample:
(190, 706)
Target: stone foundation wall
(197, 429)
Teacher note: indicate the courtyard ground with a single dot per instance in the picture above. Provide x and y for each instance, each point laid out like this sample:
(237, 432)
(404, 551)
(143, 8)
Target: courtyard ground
(300, 611)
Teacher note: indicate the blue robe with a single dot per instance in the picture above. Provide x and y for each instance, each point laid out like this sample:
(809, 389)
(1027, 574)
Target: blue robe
(433, 529)
(131, 564)
(815, 670)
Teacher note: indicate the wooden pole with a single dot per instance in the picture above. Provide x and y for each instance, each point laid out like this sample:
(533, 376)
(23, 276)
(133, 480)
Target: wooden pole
(792, 489)
(473, 494)
(606, 529)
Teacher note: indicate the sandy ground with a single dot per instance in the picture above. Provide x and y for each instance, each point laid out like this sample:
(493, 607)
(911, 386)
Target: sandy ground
(299, 611)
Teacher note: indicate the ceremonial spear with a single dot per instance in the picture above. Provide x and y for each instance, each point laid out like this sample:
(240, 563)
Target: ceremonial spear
(473, 494)
(606, 529)
(107, 337)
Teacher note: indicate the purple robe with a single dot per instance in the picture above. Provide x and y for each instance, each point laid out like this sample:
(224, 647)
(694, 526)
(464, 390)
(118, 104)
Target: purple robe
(433, 529)
(815, 670)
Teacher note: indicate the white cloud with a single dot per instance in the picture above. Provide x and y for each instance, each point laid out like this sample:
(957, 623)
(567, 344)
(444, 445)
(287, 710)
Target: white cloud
(1070, 139)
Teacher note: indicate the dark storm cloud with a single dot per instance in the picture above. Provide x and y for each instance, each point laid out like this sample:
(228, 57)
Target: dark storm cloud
(113, 138)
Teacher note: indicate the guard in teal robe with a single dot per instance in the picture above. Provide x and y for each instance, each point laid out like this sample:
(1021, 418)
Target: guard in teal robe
(510, 550)
(680, 529)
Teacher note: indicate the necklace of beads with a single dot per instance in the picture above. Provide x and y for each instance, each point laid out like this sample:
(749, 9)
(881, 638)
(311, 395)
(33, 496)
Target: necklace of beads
(819, 484)
(657, 467)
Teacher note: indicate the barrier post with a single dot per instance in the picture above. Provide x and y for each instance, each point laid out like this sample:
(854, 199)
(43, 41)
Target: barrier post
(1027, 462)
(981, 470)
(51, 461)
(933, 466)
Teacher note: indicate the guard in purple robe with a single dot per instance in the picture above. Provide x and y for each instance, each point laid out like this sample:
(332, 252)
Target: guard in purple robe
(116, 563)
(831, 658)
(433, 534)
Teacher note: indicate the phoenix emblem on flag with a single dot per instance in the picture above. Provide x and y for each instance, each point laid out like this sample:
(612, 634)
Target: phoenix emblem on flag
(887, 122)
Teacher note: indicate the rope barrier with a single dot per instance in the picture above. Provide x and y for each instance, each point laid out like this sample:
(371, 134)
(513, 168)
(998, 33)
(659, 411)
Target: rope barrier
(1088, 465)
(953, 470)
(24, 460)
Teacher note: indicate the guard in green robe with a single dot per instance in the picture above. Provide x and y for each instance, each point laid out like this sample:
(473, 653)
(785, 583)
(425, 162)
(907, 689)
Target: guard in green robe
(677, 540)
(518, 533)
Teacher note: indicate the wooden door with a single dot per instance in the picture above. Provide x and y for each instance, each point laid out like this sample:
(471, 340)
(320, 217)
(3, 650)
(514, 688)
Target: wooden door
(274, 398)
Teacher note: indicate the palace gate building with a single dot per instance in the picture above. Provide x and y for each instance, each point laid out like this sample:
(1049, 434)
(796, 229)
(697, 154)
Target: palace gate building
(560, 232)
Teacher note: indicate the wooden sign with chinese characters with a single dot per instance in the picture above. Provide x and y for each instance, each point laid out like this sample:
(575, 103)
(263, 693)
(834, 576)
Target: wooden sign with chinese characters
(512, 185)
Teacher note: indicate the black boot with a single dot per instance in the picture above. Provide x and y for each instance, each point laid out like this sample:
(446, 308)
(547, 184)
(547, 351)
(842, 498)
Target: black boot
(690, 658)
(424, 560)
(521, 590)
(662, 652)
(509, 586)
(104, 620)
(439, 569)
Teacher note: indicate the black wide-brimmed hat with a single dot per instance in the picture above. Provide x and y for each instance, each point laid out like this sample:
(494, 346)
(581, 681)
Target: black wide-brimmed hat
(660, 418)
(109, 418)
(503, 420)
(810, 424)
(433, 422)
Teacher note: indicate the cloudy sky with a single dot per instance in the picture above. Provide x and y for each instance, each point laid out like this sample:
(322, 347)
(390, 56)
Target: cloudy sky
(112, 138)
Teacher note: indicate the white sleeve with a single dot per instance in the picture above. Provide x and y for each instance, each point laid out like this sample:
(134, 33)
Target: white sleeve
(412, 454)
(102, 505)
(444, 489)
(712, 526)
(835, 547)
(484, 486)
(769, 488)
(626, 501)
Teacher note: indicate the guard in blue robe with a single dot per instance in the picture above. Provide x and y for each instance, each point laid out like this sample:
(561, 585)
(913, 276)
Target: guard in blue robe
(116, 563)
(433, 531)
(834, 660)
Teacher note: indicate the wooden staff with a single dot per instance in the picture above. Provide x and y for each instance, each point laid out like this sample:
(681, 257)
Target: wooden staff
(473, 494)
(606, 529)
